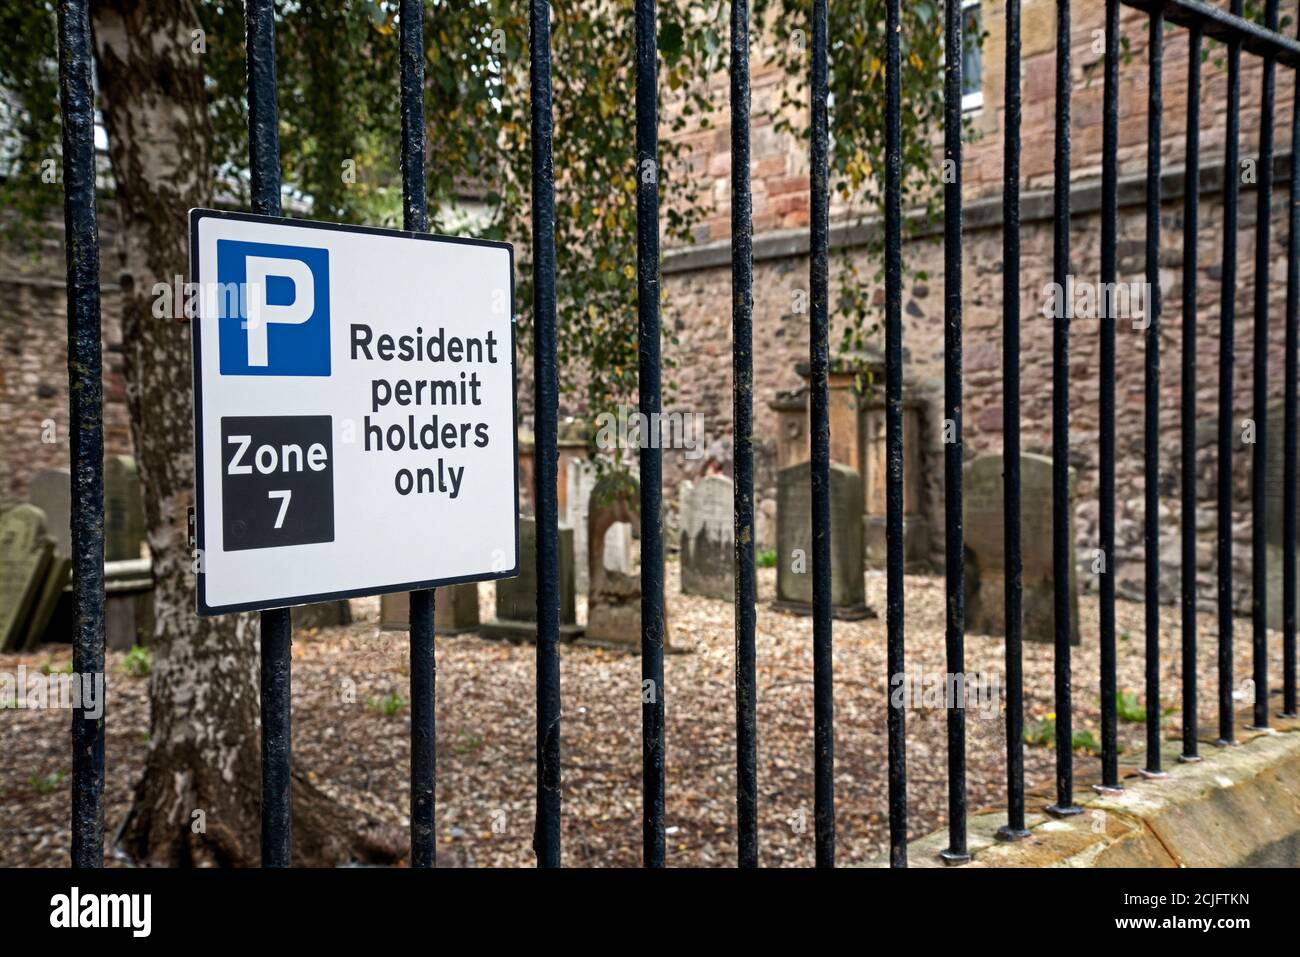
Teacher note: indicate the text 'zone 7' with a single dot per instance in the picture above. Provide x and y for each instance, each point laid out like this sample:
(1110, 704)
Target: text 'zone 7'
(354, 410)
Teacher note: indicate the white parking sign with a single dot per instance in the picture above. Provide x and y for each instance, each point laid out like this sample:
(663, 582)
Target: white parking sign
(354, 410)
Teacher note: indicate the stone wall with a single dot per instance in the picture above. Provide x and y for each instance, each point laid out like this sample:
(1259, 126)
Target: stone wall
(779, 161)
(34, 360)
(697, 284)
(700, 299)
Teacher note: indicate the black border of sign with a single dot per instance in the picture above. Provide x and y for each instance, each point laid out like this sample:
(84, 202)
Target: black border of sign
(198, 214)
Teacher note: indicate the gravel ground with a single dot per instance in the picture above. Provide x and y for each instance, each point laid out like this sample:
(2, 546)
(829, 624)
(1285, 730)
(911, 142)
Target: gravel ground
(485, 715)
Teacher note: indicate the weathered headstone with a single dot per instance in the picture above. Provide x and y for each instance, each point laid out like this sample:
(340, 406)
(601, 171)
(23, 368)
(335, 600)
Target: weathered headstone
(51, 491)
(323, 614)
(455, 610)
(614, 593)
(123, 510)
(985, 549)
(1274, 503)
(794, 569)
(791, 408)
(708, 538)
(128, 603)
(57, 576)
(526, 474)
(25, 552)
(580, 480)
(875, 468)
(616, 550)
(516, 604)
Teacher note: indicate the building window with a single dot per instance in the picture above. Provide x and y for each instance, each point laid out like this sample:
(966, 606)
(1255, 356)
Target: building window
(972, 69)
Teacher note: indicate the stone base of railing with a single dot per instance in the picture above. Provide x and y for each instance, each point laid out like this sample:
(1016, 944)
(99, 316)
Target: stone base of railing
(1238, 807)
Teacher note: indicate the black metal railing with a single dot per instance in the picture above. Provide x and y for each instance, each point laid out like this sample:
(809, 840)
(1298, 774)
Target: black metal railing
(1062, 524)
(1151, 391)
(1014, 569)
(86, 414)
(819, 429)
(415, 217)
(742, 359)
(1199, 19)
(546, 837)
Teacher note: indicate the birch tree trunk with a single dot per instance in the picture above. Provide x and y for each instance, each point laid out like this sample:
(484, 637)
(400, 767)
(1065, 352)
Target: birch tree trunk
(198, 801)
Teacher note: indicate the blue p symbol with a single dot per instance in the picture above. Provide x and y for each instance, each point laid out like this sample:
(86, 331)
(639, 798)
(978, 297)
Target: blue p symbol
(281, 324)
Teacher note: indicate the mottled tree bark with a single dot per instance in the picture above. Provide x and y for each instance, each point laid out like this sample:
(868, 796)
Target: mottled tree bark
(198, 801)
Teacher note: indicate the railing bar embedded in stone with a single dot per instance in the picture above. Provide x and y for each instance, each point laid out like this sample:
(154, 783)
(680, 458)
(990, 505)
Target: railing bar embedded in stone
(742, 364)
(819, 427)
(895, 622)
(277, 623)
(546, 836)
(86, 430)
(1061, 519)
(1191, 193)
(1014, 568)
(415, 217)
(652, 557)
(1227, 329)
(1106, 395)
(1259, 460)
(1151, 407)
(1292, 366)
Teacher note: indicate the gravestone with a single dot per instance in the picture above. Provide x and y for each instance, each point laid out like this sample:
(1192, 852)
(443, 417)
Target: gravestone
(128, 603)
(57, 577)
(323, 614)
(791, 408)
(51, 491)
(455, 610)
(516, 604)
(571, 444)
(708, 538)
(614, 593)
(794, 571)
(875, 468)
(123, 510)
(1274, 538)
(985, 593)
(395, 611)
(616, 551)
(580, 480)
(25, 553)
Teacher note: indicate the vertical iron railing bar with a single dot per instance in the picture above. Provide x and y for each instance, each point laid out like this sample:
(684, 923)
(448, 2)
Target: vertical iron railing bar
(1062, 523)
(423, 730)
(415, 217)
(954, 557)
(896, 621)
(819, 426)
(277, 623)
(1151, 400)
(1106, 411)
(742, 366)
(1259, 386)
(1289, 477)
(1191, 197)
(85, 417)
(1227, 331)
(652, 559)
(1015, 727)
(546, 833)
